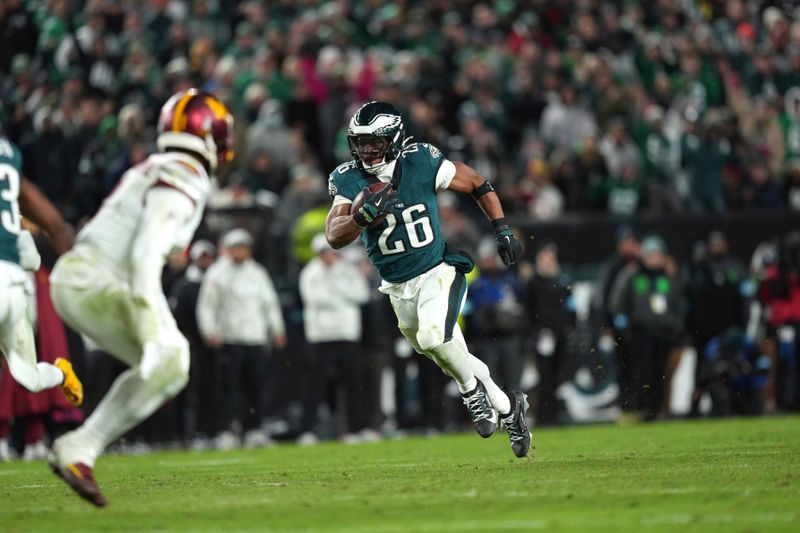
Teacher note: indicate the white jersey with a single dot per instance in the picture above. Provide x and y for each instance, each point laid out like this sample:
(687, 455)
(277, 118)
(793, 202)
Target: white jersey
(113, 231)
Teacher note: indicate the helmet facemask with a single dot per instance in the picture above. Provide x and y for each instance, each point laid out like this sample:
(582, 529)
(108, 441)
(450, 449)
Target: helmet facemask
(223, 141)
(375, 136)
(370, 150)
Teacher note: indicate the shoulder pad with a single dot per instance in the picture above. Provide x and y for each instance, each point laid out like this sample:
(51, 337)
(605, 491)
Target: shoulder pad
(343, 180)
(422, 149)
(344, 168)
(186, 177)
(10, 151)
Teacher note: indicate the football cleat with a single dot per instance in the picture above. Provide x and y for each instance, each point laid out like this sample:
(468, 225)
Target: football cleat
(514, 423)
(483, 414)
(71, 386)
(80, 479)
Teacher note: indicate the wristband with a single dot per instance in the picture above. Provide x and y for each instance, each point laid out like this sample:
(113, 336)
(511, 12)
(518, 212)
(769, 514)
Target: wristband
(499, 224)
(359, 219)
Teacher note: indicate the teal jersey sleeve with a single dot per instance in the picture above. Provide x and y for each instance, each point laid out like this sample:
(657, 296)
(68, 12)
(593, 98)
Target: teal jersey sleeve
(346, 180)
(10, 177)
(425, 160)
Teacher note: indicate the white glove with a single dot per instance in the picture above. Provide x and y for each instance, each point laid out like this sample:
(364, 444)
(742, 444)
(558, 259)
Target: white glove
(29, 258)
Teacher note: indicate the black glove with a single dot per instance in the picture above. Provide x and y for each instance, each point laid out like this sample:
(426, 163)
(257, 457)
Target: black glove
(375, 204)
(508, 247)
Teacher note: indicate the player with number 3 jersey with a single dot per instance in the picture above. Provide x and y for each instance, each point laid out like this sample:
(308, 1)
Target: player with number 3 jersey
(18, 254)
(399, 226)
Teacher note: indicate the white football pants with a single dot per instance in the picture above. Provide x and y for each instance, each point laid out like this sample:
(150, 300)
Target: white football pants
(427, 309)
(98, 305)
(16, 333)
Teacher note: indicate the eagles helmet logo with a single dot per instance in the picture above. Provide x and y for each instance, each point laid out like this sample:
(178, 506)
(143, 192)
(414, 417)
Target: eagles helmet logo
(385, 124)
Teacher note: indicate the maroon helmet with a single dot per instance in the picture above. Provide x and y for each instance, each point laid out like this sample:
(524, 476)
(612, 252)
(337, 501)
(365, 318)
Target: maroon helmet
(197, 121)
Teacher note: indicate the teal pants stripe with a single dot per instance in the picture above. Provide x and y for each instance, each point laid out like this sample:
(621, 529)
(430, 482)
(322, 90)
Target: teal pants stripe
(457, 290)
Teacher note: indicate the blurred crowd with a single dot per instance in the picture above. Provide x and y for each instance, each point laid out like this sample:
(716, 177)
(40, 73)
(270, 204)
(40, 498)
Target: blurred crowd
(615, 106)
(618, 107)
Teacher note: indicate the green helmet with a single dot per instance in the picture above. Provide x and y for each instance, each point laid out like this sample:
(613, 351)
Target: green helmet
(376, 135)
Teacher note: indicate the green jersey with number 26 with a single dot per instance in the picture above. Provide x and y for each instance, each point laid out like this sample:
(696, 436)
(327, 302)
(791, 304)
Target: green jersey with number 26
(10, 165)
(409, 241)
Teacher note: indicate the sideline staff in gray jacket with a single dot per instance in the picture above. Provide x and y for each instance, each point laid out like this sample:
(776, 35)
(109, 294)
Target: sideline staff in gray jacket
(333, 291)
(239, 314)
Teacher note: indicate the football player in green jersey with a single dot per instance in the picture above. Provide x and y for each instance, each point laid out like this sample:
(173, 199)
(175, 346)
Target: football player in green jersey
(424, 280)
(17, 254)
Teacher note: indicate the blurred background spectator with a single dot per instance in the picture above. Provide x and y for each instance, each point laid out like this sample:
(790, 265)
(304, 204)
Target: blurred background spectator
(239, 316)
(496, 317)
(550, 310)
(681, 98)
(679, 117)
(332, 290)
(195, 424)
(647, 305)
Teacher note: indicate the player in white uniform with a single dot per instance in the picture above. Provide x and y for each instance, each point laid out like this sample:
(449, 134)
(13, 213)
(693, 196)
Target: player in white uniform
(109, 286)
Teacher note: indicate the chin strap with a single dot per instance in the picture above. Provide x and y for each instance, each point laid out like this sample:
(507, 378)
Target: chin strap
(376, 168)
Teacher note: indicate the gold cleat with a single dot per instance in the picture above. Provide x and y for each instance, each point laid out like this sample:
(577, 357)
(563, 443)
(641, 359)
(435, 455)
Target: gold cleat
(72, 386)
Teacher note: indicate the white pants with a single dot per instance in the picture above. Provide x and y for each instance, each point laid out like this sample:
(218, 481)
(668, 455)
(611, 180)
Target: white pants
(427, 309)
(100, 306)
(16, 332)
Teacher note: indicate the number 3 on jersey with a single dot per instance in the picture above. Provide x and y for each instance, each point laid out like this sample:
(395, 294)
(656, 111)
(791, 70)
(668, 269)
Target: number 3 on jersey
(9, 215)
(418, 230)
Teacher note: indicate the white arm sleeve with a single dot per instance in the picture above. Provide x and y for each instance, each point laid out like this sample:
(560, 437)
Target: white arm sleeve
(166, 211)
(445, 175)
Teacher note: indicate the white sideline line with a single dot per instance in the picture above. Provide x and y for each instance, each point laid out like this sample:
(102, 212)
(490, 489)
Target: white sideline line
(34, 486)
(11, 471)
(256, 484)
(655, 520)
(668, 519)
(206, 462)
(470, 525)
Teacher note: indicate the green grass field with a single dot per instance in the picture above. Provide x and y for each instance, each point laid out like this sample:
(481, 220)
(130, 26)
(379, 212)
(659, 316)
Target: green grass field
(733, 475)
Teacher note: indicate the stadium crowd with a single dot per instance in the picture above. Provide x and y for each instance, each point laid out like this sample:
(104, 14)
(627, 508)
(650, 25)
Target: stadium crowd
(617, 107)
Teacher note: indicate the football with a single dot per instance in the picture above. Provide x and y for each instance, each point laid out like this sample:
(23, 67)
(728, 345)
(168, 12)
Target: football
(359, 201)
